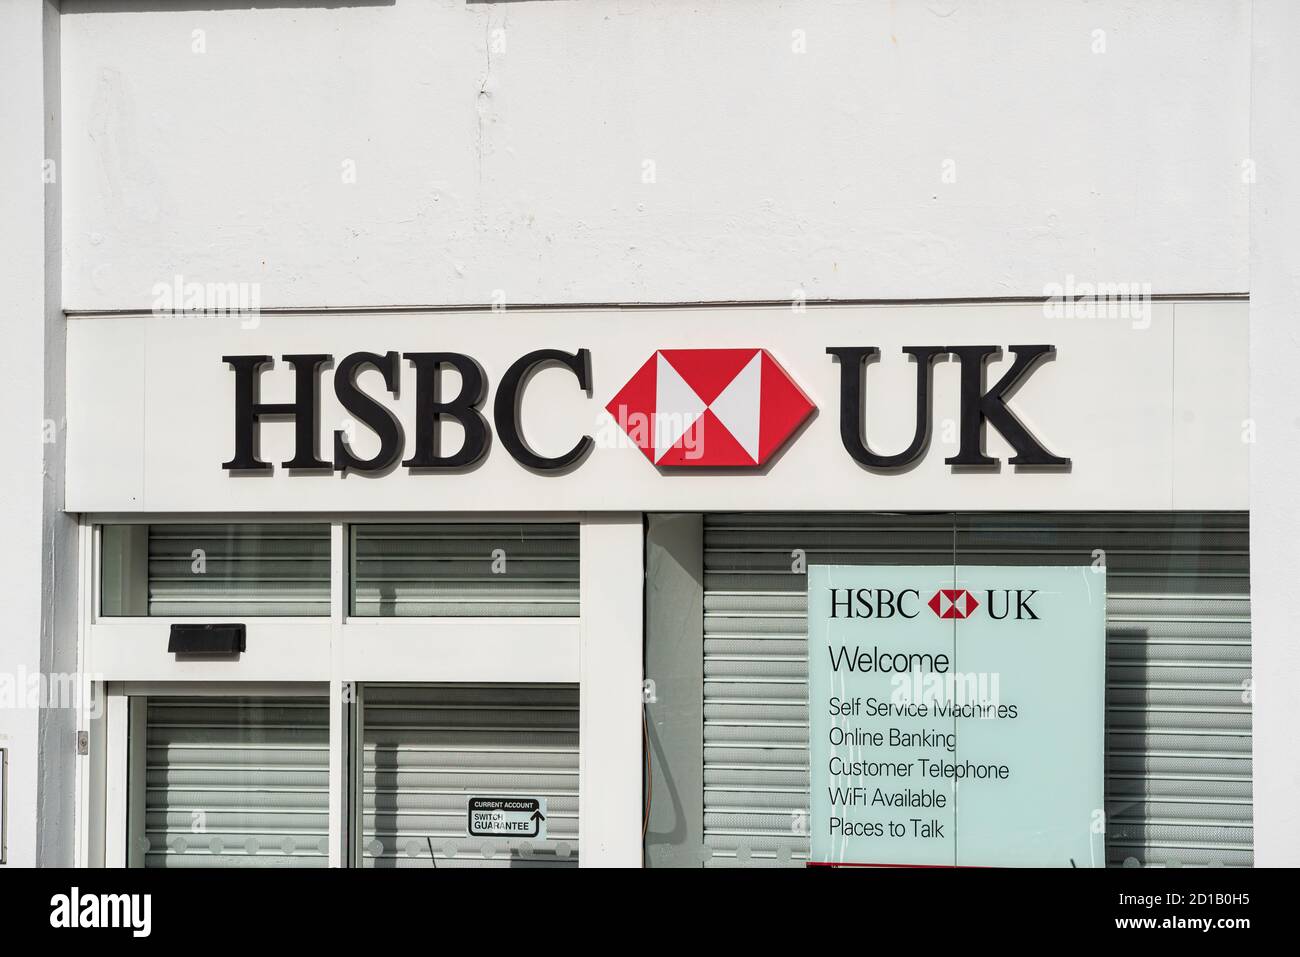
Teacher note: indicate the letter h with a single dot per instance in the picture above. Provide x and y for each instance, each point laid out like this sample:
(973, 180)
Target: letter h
(248, 411)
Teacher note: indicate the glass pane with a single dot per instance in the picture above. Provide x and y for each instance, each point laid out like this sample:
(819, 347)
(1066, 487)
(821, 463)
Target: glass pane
(430, 748)
(1178, 674)
(211, 570)
(463, 570)
(229, 782)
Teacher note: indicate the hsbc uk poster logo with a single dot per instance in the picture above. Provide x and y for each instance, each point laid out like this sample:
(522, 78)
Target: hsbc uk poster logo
(719, 408)
(947, 603)
(953, 603)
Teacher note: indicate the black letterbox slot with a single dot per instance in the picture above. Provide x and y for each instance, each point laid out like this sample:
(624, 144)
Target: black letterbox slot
(207, 640)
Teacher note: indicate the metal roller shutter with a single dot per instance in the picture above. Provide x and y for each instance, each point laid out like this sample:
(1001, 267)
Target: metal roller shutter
(430, 747)
(248, 570)
(1178, 758)
(235, 782)
(448, 570)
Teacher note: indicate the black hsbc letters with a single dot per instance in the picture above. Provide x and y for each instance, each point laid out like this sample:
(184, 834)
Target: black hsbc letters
(302, 410)
(977, 405)
(464, 408)
(509, 395)
(381, 421)
(431, 407)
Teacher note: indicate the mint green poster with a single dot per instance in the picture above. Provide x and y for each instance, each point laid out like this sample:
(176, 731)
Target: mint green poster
(956, 715)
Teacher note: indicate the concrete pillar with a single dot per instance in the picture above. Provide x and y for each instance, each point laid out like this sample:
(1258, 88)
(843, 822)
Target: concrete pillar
(611, 673)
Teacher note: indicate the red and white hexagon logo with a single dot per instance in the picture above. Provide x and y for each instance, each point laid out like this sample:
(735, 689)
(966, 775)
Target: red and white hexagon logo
(953, 603)
(719, 408)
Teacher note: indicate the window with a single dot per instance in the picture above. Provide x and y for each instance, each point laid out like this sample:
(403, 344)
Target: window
(229, 782)
(1178, 662)
(211, 570)
(429, 748)
(461, 570)
(472, 693)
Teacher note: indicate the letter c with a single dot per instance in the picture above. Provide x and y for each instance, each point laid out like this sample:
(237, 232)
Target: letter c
(505, 409)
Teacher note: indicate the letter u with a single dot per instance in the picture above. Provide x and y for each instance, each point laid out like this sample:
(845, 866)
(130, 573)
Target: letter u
(853, 362)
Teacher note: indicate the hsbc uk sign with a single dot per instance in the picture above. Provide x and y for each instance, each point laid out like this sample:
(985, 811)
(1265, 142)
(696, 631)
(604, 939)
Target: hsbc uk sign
(956, 715)
(713, 408)
(947, 603)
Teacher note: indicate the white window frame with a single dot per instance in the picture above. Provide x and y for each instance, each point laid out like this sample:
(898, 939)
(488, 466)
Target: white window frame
(600, 650)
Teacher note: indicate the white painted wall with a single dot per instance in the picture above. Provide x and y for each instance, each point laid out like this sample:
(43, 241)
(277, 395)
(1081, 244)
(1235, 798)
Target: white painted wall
(37, 565)
(1275, 457)
(22, 277)
(502, 146)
